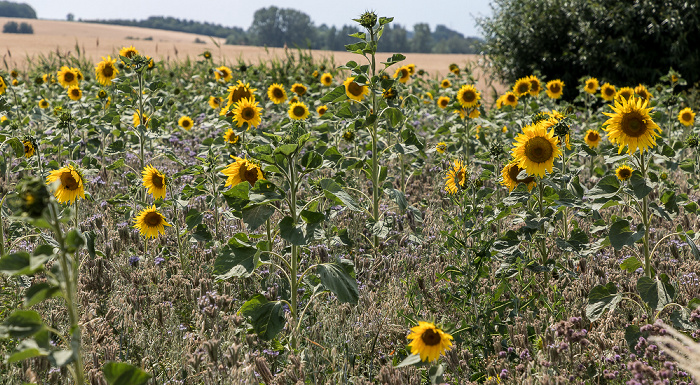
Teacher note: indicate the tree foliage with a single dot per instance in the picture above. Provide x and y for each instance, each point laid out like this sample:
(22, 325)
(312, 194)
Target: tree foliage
(23, 10)
(13, 27)
(623, 42)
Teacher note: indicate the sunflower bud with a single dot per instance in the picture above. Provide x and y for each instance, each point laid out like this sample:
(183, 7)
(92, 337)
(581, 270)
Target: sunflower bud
(692, 141)
(538, 117)
(389, 94)
(33, 196)
(349, 135)
(496, 150)
(38, 80)
(102, 94)
(561, 129)
(368, 19)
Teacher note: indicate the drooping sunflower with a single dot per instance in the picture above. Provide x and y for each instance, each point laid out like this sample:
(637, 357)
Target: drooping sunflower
(591, 85)
(592, 138)
(555, 89)
(510, 177)
(630, 125)
(223, 73)
(456, 178)
(427, 98)
(468, 96)
(70, 186)
(429, 341)
(510, 99)
(411, 68)
(3, 86)
(443, 102)
(686, 117)
(214, 102)
(522, 87)
(128, 52)
(454, 68)
(242, 170)
(298, 89)
(43, 104)
(624, 93)
(445, 83)
(355, 91)
(535, 85)
(185, 122)
(321, 110)
(106, 70)
(231, 137)
(136, 119)
(240, 91)
(28, 148)
(247, 111)
(298, 111)
(608, 92)
(624, 172)
(327, 79)
(535, 149)
(75, 93)
(643, 92)
(276, 93)
(150, 222)
(67, 77)
(441, 147)
(154, 181)
(403, 74)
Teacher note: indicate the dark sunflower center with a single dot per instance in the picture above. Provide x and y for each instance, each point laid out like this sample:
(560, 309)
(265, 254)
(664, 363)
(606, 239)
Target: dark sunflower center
(534, 86)
(625, 173)
(590, 86)
(277, 93)
(157, 180)
(468, 96)
(609, 92)
(44, 103)
(321, 110)
(523, 88)
(625, 94)
(510, 98)
(513, 173)
(555, 88)
(445, 84)
(539, 150)
(299, 90)
(129, 54)
(298, 111)
(444, 102)
(354, 89)
(186, 123)
(404, 73)
(687, 117)
(108, 71)
(251, 175)
(68, 77)
(326, 79)
(224, 73)
(76, 93)
(593, 136)
(633, 125)
(643, 94)
(248, 113)
(240, 93)
(153, 219)
(68, 181)
(430, 337)
(27, 148)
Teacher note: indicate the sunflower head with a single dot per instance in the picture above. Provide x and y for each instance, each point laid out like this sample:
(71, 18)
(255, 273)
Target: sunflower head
(630, 125)
(389, 93)
(456, 178)
(299, 89)
(510, 174)
(33, 196)
(591, 85)
(367, 19)
(29, 147)
(686, 117)
(231, 137)
(68, 182)
(592, 138)
(355, 91)
(468, 96)
(154, 181)
(443, 102)
(624, 172)
(349, 135)
(445, 83)
(321, 110)
(643, 92)
(136, 119)
(150, 222)
(608, 92)
(247, 111)
(67, 77)
(441, 147)
(510, 99)
(555, 89)
(327, 79)
(535, 85)
(403, 74)
(298, 111)
(535, 149)
(240, 91)
(128, 52)
(276, 93)
(522, 87)
(43, 104)
(214, 102)
(454, 68)
(429, 341)
(624, 93)
(242, 170)
(106, 70)
(74, 93)
(185, 122)
(223, 73)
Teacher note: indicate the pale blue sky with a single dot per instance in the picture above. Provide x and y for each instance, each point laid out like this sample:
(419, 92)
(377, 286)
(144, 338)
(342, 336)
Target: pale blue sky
(455, 14)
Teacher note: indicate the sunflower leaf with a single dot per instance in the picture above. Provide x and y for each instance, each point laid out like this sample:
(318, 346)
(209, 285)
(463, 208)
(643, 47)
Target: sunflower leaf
(620, 234)
(601, 298)
(336, 93)
(20, 324)
(338, 277)
(237, 259)
(413, 359)
(656, 293)
(266, 317)
(17, 146)
(639, 185)
(255, 215)
(121, 373)
(334, 192)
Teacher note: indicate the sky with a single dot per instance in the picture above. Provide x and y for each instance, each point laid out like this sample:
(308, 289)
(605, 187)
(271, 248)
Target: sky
(458, 15)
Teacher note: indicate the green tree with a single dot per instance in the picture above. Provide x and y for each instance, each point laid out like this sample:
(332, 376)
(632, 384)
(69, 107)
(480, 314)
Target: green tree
(9, 9)
(422, 40)
(276, 27)
(395, 39)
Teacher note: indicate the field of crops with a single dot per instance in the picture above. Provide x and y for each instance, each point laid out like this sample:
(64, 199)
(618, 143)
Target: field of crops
(309, 222)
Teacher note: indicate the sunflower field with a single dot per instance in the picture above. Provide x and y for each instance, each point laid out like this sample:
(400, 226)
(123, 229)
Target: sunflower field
(303, 222)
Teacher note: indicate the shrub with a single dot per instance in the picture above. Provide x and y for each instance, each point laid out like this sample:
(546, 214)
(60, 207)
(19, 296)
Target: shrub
(25, 28)
(13, 27)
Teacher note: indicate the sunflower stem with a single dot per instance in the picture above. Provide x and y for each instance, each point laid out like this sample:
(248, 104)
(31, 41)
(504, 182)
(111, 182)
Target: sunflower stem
(295, 249)
(543, 240)
(176, 219)
(645, 219)
(375, 158)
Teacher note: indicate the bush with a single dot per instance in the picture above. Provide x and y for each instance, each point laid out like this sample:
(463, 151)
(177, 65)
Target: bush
(621, 42)
(13, 27)
(25, 28)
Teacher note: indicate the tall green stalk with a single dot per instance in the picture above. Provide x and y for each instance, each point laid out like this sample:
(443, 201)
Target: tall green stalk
(645, 219)
(294, 265)
(374, 133)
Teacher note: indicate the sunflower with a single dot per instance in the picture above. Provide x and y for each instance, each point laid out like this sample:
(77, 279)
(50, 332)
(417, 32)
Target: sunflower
(223, 73)
(242, 170)
(214, 102)
(231, 137)
(327, 79)
(454, 68)
(276, 93)
(535, 149)
(15, 82)
(314, 74)
(429, 341)
(522, 87)
(555, 89)
(510, 99)
(608, 92)
(240, 91)
(322, 110)
(355, 91)
(247, 111)
(28, 148)
(150, 222)
(70, 186)
(535, 85)
(427, 98)
(475, 113)
(128, 52)
(630, 125)
(592, 138)
(298, 111)
(642, 92)
(137, 119)
(154, 181)
(624, 172)
(686, 117)
(510, 177)
(298, 89)
(456, 178)
(404, 74)
(106, 70)
(75, 93)
(3, 86)
(624, 93)
(443, 102)
(468, 96)
(441, 147)
(67, 77)
(591, 85)
(186, 123)
(411, 68)
(500, 101)
(43, 104)
(445, 83)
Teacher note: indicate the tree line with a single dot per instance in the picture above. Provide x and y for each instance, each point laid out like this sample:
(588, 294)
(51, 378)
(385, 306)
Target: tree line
(279, 27)
(23, 10)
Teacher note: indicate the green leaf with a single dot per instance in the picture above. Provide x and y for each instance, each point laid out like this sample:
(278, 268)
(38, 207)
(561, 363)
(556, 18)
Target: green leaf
(639, 185)
(121, 373)
(74, 241)
(237, 259)
(287, 149)
(632, 334)
(335, 94)
(193, 218)
(25, 350)
(631, 264)
(264, 191)
(22, 263)
(398, 197)
(39, 292)
(17, 146)
(395, 58)
(254, 216)
(311, 160)
(266, 317)
(606, 188)
(312, 217)
(237, 196)
(656, 293)
(690, 242)
(338, 277)
(334, 192)
(601, 298)
(291, 233)
(21, 323)
(413, 359)
(620, 234)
